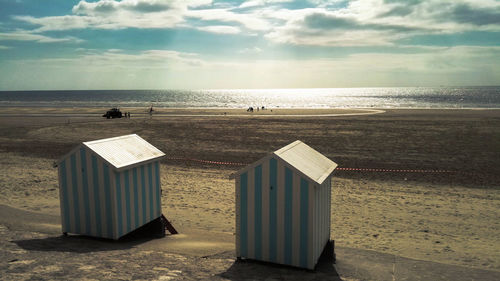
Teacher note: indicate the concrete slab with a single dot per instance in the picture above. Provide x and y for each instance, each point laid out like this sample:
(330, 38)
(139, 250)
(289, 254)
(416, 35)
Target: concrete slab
(361, 264)
(214, 250)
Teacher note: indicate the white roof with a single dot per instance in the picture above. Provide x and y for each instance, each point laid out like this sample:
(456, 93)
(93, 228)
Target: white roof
(308, 161)
(302, 158)
(124, 151)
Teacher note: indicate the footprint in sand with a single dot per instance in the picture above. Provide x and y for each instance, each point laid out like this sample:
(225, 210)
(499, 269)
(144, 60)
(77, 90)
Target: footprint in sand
(18, 251)
(47, 269)
(87, 267)
(171, 274)
(16, 264)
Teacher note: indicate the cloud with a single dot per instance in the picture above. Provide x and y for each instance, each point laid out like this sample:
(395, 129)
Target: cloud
(458, 65)
(111, 14)
(27, 36)
(221, 29)
(427, 66)
(404, 2)
(398, 11)
(330, 23)
(321, 28)
(58, 23)
(255, 3)
(251, 21)
(124, 19)
(381, 22)
(138, 6)
(160, 69)
(116, 58)
(254, 50)
(104, 7)
(330, 38)
(466, 14)
(436, 60)
(324, 21)
(449, 16)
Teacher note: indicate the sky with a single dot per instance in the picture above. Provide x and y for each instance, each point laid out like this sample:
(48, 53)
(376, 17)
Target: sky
(211, 44)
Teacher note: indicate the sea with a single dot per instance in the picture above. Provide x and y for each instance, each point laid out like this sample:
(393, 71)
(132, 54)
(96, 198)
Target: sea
(394, 97)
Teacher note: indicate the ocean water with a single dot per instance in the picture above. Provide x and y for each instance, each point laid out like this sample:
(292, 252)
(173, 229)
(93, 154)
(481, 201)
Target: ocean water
(408, 97)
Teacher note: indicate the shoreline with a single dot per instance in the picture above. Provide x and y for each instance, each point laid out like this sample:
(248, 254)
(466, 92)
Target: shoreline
(28, 111)
(244, 108)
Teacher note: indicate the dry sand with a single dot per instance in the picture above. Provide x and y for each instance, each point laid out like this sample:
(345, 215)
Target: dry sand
(449, 218)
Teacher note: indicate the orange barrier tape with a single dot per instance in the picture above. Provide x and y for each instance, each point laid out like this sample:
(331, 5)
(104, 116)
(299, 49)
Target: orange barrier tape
(338, 168)
(207, 161)
(394, 170)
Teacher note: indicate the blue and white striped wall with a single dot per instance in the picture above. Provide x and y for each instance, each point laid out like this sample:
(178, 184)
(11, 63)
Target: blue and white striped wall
(97, 200)
(281, 216)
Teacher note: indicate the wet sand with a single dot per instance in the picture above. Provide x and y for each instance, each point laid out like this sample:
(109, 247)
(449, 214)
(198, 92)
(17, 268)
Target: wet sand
(448, 218)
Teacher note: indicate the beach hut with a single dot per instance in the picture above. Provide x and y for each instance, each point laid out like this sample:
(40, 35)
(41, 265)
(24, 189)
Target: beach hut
(110, 187)
(283, 206)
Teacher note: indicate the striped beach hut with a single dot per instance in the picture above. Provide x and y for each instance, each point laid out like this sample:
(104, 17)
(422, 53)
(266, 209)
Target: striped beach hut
(283, 206)
(110, 187)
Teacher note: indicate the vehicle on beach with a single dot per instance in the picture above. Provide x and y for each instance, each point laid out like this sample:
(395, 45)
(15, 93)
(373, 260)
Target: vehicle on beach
(113, 113)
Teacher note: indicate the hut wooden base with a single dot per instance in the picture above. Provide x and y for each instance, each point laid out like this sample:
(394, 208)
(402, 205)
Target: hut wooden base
(327, 256)
(168, 226)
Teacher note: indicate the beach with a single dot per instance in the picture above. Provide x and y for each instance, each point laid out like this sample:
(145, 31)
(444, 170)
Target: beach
(418, 184)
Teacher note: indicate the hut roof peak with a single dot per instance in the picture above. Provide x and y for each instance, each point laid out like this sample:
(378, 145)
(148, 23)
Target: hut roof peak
(307, 160)
(124, 151)
(302, 158)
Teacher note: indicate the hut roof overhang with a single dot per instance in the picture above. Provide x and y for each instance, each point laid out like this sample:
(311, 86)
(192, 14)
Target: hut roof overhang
(122, 152)
(302, 158)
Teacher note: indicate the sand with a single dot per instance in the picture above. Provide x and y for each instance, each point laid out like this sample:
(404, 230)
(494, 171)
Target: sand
(448, 218)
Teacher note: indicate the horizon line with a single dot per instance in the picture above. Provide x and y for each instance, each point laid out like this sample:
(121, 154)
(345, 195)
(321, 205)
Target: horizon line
(255, 89)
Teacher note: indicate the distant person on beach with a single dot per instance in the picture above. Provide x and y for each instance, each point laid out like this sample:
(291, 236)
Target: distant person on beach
(151, 111)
